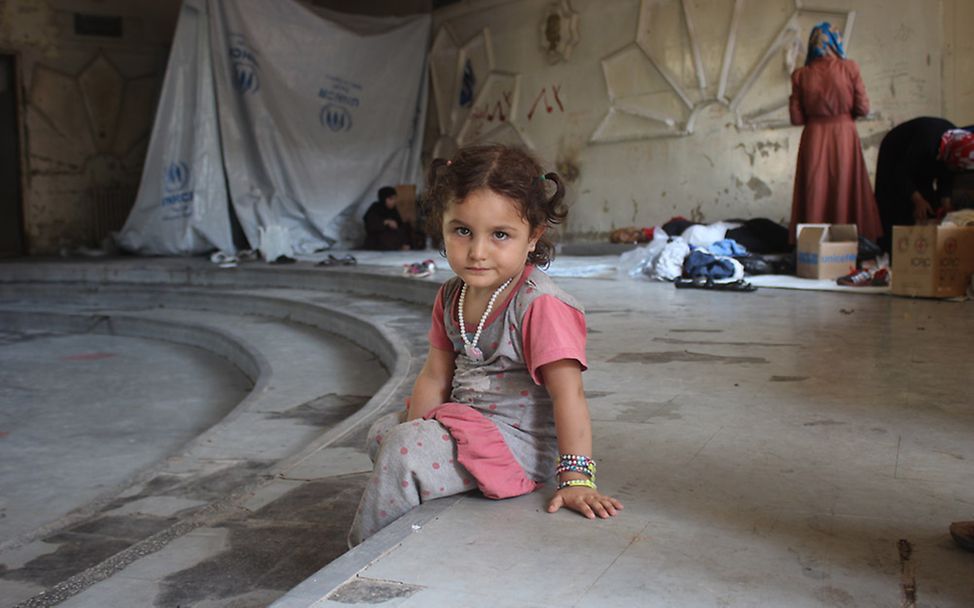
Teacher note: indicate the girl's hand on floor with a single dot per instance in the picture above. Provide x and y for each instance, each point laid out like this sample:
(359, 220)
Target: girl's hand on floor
(586, 501)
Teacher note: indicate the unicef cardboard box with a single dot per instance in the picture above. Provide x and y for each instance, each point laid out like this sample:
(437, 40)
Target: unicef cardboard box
(826, 251)
(932, 261)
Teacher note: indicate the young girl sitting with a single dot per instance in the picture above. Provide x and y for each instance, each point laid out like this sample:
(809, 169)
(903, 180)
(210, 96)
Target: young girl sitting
(499, 403)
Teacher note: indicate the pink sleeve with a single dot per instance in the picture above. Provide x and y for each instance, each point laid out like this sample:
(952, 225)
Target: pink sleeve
(552, 331)
(437, 334)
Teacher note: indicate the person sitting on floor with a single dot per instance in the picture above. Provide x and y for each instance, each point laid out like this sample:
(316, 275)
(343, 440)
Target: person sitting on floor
(384, 228)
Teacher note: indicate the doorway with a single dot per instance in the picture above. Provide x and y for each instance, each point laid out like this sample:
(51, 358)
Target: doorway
(11, 208)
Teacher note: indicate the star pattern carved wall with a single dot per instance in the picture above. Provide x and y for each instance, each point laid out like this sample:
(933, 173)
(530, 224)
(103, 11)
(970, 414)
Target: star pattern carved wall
(658, 84)
(685, 56)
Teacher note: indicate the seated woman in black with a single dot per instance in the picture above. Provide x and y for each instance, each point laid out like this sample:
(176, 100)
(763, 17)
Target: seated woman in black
(384, 228)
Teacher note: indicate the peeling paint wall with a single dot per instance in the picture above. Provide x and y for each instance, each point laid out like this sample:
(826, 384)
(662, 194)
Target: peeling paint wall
(959, 61)
(667, 107)
(88, 109)
(632, 100)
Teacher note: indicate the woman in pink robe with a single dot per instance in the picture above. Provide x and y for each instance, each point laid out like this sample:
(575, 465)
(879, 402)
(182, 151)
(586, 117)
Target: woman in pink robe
(831, 180)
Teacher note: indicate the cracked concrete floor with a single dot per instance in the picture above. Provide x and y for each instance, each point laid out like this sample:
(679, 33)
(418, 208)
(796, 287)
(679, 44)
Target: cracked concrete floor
(771, 449)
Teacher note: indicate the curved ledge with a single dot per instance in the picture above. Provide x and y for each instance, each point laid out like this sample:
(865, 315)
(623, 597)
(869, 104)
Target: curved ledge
(247, 358)
(390, 348)
(363, 280)
(190, 285)
(387, 345)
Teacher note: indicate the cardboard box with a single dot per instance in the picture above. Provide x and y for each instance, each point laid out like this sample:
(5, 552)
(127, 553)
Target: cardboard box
(406, 202)
(826, 251)
(932, 261)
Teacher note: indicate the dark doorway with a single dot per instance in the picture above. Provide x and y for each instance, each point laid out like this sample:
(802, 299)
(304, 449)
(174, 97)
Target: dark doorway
(11, 212)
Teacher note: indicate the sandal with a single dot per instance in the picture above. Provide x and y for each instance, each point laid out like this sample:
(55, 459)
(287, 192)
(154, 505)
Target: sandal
(348, 260)
(223, 259)
(708, 283)
(419, 270)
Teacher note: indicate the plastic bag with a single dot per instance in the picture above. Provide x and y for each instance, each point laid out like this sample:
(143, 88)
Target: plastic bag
(669, 263)
(638, 263)
(275, 242)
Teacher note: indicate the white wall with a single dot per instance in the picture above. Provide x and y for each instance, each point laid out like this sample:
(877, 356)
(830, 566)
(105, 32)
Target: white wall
(718, 159)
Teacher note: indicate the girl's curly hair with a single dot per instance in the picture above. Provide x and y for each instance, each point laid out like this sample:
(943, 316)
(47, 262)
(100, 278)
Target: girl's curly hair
(505, 170)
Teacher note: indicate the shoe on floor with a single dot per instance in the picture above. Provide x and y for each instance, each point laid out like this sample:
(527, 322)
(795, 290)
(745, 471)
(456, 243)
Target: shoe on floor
(963, 534)
(348, 260)
(419, 270)
(880, 278)
(856, 278)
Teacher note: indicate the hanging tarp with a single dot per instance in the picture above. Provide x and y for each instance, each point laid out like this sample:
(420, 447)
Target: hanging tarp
(315, 111)
(181, 207)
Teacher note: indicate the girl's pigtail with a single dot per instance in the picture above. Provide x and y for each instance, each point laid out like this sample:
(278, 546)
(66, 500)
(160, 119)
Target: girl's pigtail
(554, 212)
(555, 208)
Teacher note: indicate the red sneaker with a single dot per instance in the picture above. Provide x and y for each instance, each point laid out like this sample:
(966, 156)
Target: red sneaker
(856, 278)
(880, 278)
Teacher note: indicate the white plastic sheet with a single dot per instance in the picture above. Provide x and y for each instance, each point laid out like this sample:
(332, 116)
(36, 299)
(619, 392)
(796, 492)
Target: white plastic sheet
(316, 111)
(182, 207)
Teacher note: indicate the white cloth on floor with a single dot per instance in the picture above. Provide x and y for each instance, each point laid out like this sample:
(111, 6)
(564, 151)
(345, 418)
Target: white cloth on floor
(705, 235)
(738, 271)
(669, 264)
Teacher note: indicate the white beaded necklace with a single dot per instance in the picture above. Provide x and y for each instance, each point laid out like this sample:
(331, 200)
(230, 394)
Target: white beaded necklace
(470, 347)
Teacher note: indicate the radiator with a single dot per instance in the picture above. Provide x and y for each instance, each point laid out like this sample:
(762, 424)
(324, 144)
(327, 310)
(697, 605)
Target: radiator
(108, 208)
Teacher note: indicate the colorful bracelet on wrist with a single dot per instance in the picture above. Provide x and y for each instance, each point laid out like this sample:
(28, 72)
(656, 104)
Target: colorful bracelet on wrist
(577, 464)
(576, 459)
(572, 483)
(575, 469)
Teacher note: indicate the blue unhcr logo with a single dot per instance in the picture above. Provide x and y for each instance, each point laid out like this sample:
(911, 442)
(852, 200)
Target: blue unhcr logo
(176, 176)
(246, 70)
(336, 118)
(341, 97)
(245, 79)
(177, 182)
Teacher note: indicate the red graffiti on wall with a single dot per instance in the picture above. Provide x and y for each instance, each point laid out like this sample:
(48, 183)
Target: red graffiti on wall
(543, 96)
(494, 109)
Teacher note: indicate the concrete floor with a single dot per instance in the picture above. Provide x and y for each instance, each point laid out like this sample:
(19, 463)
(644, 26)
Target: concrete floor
(771, 448)
(71, 407)
(153, 464)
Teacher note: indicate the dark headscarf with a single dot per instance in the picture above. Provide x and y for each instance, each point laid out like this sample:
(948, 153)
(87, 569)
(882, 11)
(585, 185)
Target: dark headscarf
(823, 39)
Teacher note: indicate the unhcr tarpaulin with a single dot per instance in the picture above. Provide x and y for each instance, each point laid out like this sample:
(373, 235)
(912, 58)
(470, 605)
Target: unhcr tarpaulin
(314, 111)
(182, 202)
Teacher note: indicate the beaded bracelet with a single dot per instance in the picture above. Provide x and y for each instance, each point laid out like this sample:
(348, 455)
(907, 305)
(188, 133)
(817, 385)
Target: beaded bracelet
(571, 483)
(582, 460)
(575, 469)
(576, 460)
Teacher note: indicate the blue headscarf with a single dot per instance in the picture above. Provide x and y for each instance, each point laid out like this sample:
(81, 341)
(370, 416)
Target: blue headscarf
(822, 39)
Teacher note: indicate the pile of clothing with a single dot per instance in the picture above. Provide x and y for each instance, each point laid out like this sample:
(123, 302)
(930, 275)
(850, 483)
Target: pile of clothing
(711, 256)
